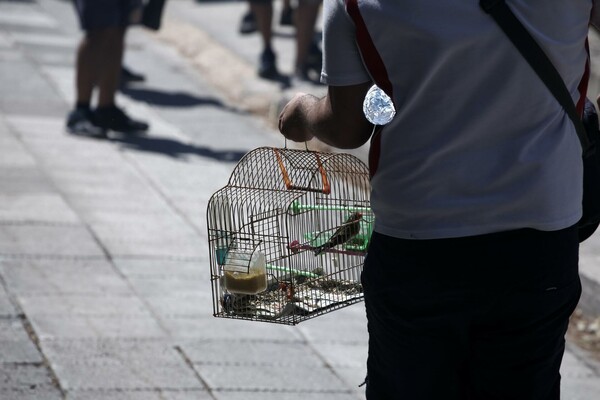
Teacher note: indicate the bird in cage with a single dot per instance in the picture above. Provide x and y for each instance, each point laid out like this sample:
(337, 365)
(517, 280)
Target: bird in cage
(349, 229)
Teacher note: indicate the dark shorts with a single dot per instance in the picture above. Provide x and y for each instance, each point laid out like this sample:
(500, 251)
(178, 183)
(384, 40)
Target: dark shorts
(471, 318)
(99, 14)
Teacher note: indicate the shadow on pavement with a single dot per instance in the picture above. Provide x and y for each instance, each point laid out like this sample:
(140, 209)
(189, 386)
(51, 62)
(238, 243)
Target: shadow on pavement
(171, 99)
(175, 149)
(284, 81)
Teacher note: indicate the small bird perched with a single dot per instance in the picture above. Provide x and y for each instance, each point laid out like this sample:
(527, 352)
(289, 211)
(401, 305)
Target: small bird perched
(344, 233)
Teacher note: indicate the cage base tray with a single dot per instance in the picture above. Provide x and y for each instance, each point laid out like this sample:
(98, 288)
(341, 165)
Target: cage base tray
(315, 301)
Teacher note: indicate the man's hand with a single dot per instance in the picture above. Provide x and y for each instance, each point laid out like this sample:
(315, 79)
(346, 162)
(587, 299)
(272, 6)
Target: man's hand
(293, 120)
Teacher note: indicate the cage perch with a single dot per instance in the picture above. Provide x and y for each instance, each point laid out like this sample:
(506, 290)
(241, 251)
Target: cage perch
(297, 208)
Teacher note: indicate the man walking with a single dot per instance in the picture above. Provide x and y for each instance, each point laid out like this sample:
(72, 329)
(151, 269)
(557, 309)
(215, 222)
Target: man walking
(98, 67)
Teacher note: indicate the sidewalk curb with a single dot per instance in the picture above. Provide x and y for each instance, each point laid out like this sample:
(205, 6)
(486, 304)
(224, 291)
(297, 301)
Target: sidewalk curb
(232, 75)
(227, 71)
(590, 296)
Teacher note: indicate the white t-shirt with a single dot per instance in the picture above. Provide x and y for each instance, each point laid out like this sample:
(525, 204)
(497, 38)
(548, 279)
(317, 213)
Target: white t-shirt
(478, 144)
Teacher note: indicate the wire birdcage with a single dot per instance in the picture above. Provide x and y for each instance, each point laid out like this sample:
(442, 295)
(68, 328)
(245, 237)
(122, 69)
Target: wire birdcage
(275, 255)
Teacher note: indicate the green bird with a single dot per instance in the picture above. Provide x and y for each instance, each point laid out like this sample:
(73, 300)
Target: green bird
(344, 233)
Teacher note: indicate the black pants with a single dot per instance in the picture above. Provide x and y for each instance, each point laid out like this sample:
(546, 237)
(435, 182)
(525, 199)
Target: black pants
(481, 317)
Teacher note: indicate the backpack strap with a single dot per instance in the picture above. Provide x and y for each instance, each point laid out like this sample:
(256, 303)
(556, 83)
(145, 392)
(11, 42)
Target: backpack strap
(538, 60)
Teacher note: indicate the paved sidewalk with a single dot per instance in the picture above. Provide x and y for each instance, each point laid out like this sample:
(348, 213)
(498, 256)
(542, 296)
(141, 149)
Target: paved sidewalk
(104, 278)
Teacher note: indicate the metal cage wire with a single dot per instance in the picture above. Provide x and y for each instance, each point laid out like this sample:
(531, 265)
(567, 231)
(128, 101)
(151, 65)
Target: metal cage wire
(279, 210)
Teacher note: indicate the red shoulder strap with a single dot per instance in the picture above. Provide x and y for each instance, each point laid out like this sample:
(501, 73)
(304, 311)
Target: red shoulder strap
(368, 50)
(583, 84)
(377, 70)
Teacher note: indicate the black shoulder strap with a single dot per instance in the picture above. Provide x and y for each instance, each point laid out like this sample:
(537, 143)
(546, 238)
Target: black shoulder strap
(537, 59)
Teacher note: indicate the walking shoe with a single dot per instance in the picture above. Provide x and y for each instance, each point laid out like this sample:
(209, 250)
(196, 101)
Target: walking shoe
(115, 119)
(248, 23)
(287, 17)
(82, 121)
(266, 67)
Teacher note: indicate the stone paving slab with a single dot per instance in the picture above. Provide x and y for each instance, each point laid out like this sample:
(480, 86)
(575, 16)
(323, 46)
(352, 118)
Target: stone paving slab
(186, 306)
(22, 241)
(54, 277)
(178, 287)
(15, 14)
(153, 268)
(23, 179)
(210, 328)
(354, 378)
(579, 377)
(184, 248)
(21, 80)
(15, 344)
(20, 377)
(48, 41)
(82, 376)
(48, 327)
(98, 369)
(7, 309)
(260, 395)
(14, 153)
(133, 321)
(112, 351)
(123, 306)
(41, 207)
(36, 393)
(252, 353)
(292, 378)
(344, 326)
(141, 394)
(340, 355)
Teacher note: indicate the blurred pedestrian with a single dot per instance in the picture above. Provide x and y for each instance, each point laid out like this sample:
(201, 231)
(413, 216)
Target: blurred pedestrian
(151, 19)
(308, 55)
(98, 67)
(248, 21)
(472, 270)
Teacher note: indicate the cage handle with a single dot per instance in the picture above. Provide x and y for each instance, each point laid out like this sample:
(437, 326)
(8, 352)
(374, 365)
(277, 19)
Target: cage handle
(288, 182)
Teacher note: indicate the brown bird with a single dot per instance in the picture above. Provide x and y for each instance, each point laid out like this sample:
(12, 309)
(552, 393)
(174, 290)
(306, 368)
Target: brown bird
(344, 233)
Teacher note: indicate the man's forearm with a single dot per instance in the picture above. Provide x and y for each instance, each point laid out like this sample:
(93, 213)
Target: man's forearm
(335, 119)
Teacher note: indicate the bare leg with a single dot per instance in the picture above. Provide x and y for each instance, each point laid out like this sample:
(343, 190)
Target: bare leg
(305, 17)
(111, 50)
(108, 116)
(99, 60)
(87, 67)
(90, 68)
(263, 12)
